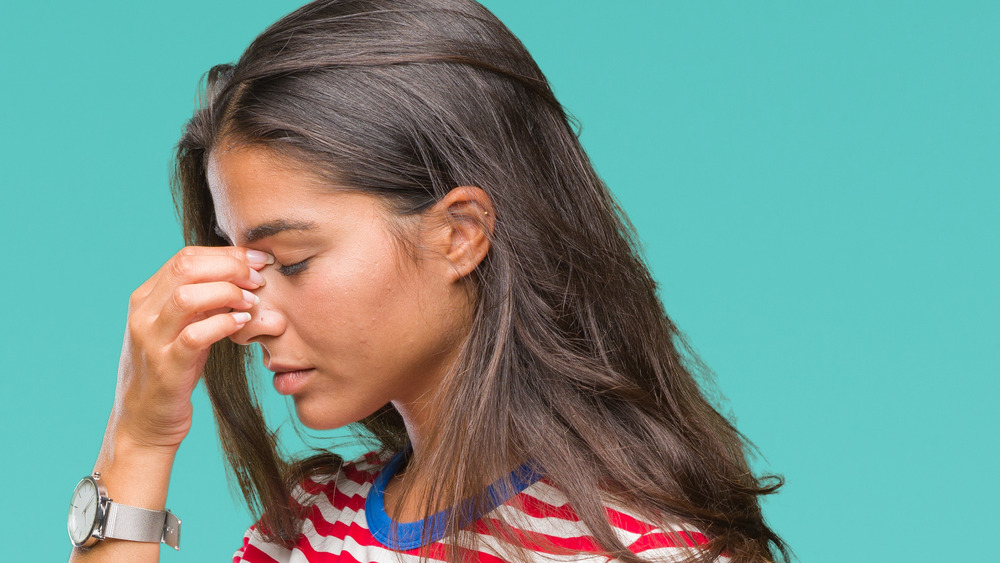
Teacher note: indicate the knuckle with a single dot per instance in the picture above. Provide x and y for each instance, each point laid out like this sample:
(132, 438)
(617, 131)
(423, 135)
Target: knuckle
(132, 329)
(235, 294)
(137, 330)
(236, 266)
(188, 338)
(188, 251)
(182, 266)
(182, 298)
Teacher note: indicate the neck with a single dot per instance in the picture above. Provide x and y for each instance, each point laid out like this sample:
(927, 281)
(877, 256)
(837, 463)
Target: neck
(417, 419)
(405, 489)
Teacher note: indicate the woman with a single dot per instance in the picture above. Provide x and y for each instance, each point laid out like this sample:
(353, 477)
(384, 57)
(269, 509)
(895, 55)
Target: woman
(386, 197)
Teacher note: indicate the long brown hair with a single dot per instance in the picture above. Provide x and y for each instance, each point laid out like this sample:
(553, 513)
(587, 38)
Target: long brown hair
(571, 361)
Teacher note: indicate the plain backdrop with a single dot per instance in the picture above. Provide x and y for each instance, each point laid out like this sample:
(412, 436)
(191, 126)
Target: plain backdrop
(815, 184)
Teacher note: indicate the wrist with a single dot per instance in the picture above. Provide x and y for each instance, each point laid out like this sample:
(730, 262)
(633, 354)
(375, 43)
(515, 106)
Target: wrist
(135, 473)
(144, 432)
(124, 446)
(94, 516)
(124, 437)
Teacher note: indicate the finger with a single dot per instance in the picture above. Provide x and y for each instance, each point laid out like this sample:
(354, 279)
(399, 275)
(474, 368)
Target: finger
(190, 257)
(255, 259)
(190, 303)
(195, 339)
(194, 269)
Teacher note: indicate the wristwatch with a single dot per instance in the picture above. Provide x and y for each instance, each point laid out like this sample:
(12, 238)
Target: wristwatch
(93, 516)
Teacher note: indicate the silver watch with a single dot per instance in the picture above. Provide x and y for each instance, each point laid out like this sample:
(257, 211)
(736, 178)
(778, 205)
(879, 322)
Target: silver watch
(93, 516)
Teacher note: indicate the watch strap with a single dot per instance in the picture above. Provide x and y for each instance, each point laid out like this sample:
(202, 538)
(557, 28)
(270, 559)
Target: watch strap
(141, 524)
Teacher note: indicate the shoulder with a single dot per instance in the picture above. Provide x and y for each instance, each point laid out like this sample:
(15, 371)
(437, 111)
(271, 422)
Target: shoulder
(543, 511)
(351, 478)
(332, 504)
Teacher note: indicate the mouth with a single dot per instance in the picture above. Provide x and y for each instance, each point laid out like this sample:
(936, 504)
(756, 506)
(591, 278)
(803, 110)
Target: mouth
(289, 380)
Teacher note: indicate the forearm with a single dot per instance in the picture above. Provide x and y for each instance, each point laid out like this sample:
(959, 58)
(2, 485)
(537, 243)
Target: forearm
(174, 318)
(134, 476)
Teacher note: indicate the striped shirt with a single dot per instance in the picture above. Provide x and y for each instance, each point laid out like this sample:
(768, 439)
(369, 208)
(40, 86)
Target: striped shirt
(347, 522)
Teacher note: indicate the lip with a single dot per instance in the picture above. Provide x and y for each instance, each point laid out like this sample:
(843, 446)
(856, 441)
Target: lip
(278, 367)
(289, 380)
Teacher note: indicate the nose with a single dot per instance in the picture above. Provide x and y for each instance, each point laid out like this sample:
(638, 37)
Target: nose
(266, 320)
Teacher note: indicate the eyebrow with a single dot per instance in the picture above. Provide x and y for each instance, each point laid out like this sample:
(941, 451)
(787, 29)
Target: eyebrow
(269, 229)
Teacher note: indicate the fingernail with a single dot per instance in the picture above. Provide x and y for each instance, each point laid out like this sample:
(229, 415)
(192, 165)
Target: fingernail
(250, 297)
(241, 318)
(256, 278)
(258, 257)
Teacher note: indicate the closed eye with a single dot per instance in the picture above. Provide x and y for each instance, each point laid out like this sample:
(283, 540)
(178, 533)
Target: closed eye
(292, 269)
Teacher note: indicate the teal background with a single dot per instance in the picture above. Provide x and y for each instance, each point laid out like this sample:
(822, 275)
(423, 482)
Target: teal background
(816, 186)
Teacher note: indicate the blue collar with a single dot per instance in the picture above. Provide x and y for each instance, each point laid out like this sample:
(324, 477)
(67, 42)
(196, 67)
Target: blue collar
(409, 534)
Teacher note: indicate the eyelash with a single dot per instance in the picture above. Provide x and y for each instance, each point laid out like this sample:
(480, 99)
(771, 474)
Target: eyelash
(292, 269)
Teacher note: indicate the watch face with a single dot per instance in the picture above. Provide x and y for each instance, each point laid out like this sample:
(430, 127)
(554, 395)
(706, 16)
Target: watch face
(83, 511)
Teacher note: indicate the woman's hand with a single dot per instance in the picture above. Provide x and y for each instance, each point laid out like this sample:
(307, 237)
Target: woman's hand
(200, 296)
(197, 298)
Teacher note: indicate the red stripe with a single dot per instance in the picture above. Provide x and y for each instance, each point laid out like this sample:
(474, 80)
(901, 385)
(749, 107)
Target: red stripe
(438, 551)
(538, 508)
(627, 522)
(341, 530)
(238, 556)
(362, 536)
(341, 501)
(348, 471)
(253, 555)
(359, 476)
(314, 556)
(435, 552)
(314, 487)
(538, 541)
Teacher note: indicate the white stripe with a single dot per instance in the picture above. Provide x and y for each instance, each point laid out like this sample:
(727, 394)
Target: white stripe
(375, 553)
(550, 526)
(667, 554)
(332, 514)
(275, 551)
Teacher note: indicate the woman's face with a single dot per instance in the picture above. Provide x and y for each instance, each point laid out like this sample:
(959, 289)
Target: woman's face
(356, 321)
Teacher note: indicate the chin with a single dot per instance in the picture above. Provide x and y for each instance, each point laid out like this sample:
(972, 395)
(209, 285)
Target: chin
(325, 417)
(314, 422)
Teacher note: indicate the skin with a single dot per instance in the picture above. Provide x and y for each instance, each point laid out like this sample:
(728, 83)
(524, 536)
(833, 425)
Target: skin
(373, 324)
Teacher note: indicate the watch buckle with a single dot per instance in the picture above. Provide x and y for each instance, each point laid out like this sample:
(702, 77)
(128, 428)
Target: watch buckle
(172, 531)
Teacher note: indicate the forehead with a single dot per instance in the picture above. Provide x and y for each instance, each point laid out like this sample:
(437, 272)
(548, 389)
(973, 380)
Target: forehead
(251, 185)
(251, 172)
(256, 190)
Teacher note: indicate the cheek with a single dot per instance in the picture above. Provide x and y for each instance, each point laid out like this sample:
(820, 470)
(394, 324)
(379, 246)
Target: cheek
(366, 299)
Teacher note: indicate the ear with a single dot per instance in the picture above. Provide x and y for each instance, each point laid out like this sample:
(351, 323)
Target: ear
(463, 235)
